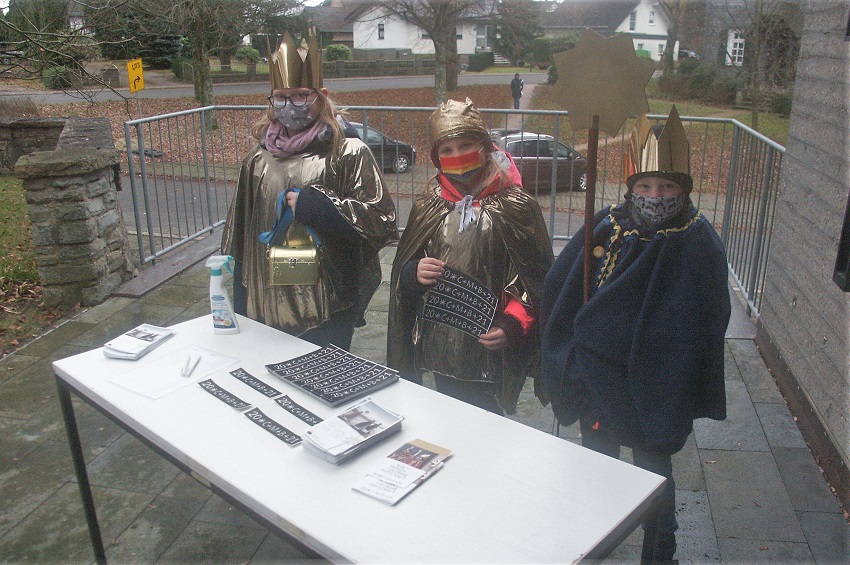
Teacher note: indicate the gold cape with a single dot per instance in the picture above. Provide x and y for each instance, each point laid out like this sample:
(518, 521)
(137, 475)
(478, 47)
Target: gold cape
(517, 226)
(354, 184)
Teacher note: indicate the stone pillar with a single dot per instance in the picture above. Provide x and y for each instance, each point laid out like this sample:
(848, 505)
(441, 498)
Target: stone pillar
(82, 249)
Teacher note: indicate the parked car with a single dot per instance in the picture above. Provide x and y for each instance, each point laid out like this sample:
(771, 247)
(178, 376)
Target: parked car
(535, 154)
(390, 153)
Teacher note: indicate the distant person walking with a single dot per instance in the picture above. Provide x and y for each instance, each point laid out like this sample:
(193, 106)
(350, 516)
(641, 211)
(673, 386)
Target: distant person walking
(516, 90)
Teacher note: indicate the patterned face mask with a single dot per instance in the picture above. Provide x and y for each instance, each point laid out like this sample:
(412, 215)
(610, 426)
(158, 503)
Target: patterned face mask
(293, 118)
(461, 167)
(657, 210)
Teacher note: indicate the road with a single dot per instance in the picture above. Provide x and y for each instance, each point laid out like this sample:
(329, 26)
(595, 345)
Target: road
(163, 84)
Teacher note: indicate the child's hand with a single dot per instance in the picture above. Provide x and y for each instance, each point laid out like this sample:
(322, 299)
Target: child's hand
(495, 339)
(429, 270)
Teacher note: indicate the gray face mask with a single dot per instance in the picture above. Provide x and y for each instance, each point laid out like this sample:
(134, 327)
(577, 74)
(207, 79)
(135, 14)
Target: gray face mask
(657, 210)
(293, 118)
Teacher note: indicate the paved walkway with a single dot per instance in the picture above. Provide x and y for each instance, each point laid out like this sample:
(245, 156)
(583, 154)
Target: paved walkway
(748, 489)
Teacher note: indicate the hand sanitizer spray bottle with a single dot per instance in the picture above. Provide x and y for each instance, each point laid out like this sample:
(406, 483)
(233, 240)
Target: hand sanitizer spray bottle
(224, 319)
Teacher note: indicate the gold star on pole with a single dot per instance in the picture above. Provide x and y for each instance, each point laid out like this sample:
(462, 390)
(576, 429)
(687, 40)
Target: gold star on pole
(602, 77)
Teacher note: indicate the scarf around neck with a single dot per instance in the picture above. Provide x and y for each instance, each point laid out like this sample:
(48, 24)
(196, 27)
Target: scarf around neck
(281, 146)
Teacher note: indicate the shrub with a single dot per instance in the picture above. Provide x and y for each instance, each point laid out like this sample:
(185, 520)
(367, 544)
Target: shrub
(724, 91)
(248, 54)
(57, 78)
(701, 83)
(675, 86)
(337, 52)
(780, 103)
(18, 107)
(540, 50)
(644, 54)
(180, 67)
(480, 61)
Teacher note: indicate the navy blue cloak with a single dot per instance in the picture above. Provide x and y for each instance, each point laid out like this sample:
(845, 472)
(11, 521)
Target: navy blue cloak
(644, 356)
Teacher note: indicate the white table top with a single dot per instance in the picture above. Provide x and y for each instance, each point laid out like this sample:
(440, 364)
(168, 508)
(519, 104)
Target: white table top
(509, 493)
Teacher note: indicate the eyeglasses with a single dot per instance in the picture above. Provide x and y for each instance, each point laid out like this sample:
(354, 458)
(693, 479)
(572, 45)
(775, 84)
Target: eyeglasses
(297, 99)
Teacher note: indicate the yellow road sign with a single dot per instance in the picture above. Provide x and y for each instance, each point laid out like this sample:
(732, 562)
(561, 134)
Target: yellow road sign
(135, 75)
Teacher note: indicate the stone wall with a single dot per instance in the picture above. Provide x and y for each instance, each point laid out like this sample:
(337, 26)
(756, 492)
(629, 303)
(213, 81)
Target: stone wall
(81, 243)
(805, 317)
(19, 136)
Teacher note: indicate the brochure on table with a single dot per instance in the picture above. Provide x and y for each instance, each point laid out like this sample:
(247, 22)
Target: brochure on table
(137, 342)
(400, 472)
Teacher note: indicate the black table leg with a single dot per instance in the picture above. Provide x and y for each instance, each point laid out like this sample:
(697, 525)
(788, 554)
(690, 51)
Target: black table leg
(80, 468)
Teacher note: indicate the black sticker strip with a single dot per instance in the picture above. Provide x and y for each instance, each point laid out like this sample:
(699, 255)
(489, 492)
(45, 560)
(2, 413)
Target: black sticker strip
(280, 432)
(230, 399)
(297, 410)
(255, 383)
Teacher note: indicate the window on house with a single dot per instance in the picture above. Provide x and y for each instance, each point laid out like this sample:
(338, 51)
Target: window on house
(652, 18)
(632, 21)
(660, 49)
(482, 37)
(735, 45)
(640, 47)
(424, 34)
(380, 31)
(459, 32)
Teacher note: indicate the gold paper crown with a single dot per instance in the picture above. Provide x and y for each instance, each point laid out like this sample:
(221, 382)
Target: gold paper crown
(665, 155)
(455, 119)
(299, 67)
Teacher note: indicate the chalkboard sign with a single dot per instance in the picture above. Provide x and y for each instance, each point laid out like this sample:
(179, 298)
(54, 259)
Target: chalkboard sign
(460, 301)
(334, 375)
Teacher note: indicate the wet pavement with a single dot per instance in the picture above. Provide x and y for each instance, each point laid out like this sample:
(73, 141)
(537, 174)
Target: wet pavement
(748, 488)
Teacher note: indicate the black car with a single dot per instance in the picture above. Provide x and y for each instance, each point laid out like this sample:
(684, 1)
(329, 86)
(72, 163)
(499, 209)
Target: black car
(535, 154)
(392, 154)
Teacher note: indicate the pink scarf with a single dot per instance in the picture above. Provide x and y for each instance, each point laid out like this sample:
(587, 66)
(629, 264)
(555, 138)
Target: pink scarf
(281, 146)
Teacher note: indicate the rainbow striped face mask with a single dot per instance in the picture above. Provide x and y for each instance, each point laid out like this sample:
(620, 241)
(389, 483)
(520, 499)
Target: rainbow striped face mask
(461, 167)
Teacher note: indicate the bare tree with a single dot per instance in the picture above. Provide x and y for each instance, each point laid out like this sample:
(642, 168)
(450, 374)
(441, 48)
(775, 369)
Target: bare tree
(439, 19)
(768, 30)
(517, 25)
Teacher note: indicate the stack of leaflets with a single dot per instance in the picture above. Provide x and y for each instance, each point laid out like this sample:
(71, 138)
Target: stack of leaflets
(403, 470)
(354, 430)
(333, 375)
(137, 342)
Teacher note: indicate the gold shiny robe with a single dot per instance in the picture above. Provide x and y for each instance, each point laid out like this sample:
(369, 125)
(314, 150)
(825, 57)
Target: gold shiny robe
(354, 184)
(508, 249)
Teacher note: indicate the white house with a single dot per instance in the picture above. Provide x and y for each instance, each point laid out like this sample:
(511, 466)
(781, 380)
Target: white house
(646, 20)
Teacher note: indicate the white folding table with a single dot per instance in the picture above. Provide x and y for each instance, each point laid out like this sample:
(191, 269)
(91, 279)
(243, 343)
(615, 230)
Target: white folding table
(508, 494)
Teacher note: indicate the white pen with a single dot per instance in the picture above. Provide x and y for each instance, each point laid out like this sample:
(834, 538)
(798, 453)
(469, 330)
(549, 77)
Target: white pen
(194, 365)
(188, 370)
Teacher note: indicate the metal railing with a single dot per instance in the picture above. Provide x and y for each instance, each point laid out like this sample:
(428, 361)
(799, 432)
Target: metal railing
(182, 175)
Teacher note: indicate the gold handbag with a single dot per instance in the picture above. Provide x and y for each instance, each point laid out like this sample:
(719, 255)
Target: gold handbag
(297, 264)
(291, 264)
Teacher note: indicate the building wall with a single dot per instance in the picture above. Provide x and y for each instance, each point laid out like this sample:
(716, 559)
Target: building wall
(805, 314)
(401, 35)
(646, 35)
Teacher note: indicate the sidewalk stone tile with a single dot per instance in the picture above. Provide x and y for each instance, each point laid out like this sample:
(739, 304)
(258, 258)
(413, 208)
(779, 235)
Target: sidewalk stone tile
(12, 364)
(57, 338)
(25, 483)
(161, 523)
(760, 383)
(104, 311)
(804, 481)
(731, 372)
(744, 348)
(56, 532)
(828, 535)
(28, 392)
(205, 542)
(748, 497)
(95, 429)
(129, 464)
(275, 549)
(753, 551)
(779, 426)
(696, 541)
(126, 319)
(175, 295)
(740, 430)
(216, 510)
(687, 470)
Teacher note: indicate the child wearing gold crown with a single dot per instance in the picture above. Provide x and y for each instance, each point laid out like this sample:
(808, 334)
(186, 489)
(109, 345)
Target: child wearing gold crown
(473, 217)
(334, 187)
(643, 357)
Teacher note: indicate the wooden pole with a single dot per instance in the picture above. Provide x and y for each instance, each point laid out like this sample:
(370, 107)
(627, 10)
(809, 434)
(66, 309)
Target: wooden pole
(589, 201)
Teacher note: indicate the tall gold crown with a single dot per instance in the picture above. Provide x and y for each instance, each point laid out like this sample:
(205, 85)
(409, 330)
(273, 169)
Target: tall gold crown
(456, 119)
(658, 151)
(297, 67)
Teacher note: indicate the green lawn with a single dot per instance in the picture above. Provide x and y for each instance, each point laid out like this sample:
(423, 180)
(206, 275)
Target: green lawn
(17, 256)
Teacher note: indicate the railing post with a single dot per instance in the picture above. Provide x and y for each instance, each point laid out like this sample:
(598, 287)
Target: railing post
(131, 169)
(755, 260)
(144, 173)
(730, 187)
(206, 167)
